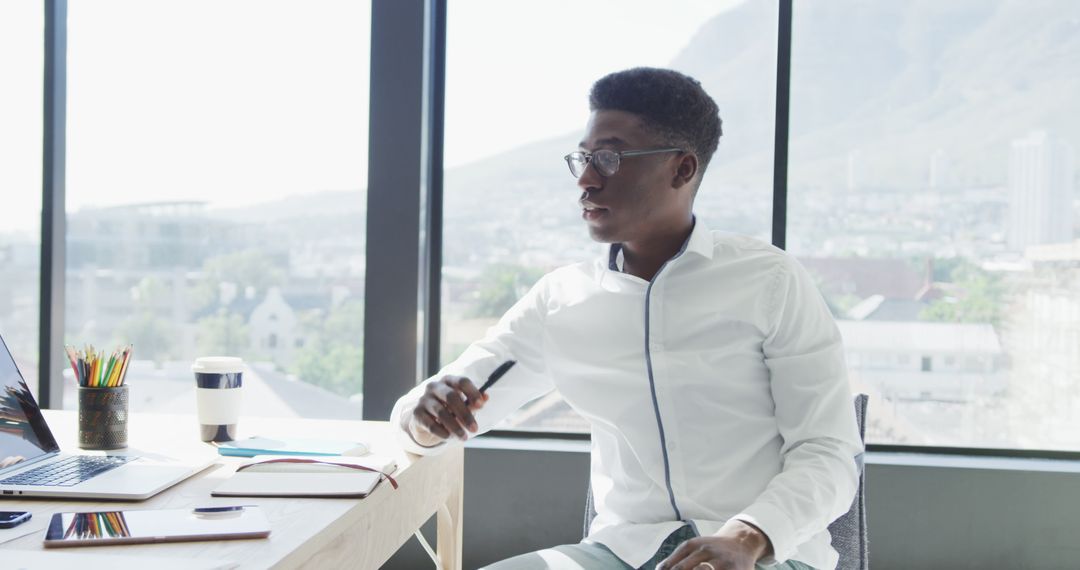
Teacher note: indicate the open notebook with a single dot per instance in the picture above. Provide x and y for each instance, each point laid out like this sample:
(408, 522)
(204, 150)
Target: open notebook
(273, 476)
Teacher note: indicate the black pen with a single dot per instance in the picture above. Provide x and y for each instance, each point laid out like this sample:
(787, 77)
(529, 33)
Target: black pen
(497, 374)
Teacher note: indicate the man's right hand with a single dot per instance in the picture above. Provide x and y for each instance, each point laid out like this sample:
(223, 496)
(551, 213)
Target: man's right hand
(445, 409)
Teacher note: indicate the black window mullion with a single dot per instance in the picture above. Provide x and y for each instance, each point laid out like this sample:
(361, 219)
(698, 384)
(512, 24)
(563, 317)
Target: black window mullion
(434, 222)
(783, 107)
(54, 136)
(398, 176)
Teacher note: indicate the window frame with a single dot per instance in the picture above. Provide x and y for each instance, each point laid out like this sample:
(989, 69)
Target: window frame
(405, 186)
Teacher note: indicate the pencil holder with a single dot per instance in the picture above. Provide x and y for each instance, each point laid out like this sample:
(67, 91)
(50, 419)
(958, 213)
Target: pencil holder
(103, 417)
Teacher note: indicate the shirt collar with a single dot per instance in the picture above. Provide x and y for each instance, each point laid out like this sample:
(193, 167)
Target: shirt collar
(699, 242)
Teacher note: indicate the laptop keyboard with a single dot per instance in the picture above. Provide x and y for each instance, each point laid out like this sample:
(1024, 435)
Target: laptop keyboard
(68, 471)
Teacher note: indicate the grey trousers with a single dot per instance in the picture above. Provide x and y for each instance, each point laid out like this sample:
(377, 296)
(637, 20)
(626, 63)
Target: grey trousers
(590, 556)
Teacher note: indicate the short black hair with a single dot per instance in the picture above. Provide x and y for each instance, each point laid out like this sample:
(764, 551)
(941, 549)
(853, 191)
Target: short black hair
(672, 105)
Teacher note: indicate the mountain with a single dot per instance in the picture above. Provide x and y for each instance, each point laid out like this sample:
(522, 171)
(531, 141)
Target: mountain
(898, 81)
(885, 84)
(893, 81)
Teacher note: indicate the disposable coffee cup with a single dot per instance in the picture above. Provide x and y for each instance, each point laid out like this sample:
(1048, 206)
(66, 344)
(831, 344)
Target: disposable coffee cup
(219, 383)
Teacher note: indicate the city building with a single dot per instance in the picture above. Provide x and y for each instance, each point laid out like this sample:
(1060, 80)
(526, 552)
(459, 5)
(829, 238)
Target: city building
(1040, 190)
(923, 360)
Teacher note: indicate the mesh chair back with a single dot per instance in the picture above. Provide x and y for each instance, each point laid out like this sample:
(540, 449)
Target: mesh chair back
(848, 532)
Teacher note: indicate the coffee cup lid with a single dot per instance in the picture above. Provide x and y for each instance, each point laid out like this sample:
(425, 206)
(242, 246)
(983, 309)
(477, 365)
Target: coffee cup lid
(218, 365)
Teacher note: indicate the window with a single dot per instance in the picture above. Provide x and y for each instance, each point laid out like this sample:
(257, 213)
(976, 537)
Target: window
(216, 203)
(933, 193)
(932, 188)
(21, 25)
(510, 211)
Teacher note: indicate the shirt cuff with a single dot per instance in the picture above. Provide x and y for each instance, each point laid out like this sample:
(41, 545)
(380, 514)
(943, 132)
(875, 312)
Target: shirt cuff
(777, 527)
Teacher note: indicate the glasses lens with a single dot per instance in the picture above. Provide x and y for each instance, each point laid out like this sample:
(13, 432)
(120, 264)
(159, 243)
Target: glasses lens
(576, 161)
(606, 162)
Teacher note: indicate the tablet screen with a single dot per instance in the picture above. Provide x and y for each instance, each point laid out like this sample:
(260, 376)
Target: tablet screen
(166, 525)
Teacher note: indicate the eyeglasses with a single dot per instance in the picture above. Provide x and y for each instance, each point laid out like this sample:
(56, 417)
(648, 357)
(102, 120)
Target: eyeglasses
(605, 161)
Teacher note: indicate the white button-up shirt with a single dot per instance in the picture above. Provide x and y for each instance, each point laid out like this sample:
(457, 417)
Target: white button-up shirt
(716, 391)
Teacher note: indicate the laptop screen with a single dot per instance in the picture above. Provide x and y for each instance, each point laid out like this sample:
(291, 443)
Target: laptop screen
(23, 432)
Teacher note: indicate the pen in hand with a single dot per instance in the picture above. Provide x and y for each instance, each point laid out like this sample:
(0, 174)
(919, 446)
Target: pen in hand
(498, 373)
(446, 408)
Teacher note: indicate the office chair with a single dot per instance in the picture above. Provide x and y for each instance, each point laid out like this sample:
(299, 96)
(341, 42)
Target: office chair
(849, 533)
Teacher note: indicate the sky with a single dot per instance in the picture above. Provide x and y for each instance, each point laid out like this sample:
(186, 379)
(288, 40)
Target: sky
(245, 101)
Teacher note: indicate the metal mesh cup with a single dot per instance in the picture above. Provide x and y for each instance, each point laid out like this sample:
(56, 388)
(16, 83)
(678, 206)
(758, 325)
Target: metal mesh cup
(103, 417)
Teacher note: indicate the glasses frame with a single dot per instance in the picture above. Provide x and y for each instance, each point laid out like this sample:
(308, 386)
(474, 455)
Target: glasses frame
(619, 155)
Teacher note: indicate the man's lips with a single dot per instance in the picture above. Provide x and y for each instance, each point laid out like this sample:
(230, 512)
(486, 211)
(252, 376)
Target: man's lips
(587, 205)
(591, 211)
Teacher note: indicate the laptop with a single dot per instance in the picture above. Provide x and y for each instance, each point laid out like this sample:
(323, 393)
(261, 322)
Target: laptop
(32, 465)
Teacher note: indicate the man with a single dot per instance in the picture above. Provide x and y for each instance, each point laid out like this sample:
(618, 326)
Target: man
(707, 364)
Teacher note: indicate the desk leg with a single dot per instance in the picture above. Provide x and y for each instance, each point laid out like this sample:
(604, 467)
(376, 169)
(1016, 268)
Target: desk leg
(449, 517)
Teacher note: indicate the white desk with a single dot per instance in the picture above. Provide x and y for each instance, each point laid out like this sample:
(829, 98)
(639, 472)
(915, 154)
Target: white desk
(314, 533)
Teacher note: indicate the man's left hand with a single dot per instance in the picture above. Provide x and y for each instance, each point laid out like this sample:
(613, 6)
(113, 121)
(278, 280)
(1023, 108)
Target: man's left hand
(736, 546)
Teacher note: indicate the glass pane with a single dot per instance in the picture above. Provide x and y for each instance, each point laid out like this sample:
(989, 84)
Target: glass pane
(216, 195)
(506, 134)
(22, 44)
(933, 194)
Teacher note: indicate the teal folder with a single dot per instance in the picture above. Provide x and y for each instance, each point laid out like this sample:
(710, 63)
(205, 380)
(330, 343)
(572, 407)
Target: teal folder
(253, 446)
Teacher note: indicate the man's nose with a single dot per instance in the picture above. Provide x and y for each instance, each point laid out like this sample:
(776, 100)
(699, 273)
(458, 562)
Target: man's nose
(590, 179)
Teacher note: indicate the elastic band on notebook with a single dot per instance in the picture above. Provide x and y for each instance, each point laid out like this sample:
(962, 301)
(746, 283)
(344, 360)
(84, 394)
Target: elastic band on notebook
(290, 460)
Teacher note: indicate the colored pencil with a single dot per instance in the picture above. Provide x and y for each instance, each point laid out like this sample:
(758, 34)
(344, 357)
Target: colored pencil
(93, 370)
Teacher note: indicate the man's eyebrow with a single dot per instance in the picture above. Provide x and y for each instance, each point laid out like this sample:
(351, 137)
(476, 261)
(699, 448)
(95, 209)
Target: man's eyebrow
(609, 141)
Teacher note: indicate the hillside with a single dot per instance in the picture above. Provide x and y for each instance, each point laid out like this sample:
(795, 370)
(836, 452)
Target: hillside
(892, 82)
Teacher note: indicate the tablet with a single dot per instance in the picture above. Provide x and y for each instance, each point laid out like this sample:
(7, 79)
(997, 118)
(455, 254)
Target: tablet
(165, 525)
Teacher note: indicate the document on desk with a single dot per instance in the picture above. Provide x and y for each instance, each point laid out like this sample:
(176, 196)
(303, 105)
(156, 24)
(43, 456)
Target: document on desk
(288, 476)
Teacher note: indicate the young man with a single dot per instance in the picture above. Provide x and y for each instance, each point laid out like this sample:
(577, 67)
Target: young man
(707, 364)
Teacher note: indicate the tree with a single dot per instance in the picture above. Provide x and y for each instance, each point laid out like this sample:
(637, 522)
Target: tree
(249, 268)
(223, 333)
(975, 296)
(333, 356)
(153, 336)
(337, 367)
(503, 285)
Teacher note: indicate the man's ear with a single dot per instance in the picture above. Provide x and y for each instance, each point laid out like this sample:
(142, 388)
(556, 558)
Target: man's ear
(685, 171)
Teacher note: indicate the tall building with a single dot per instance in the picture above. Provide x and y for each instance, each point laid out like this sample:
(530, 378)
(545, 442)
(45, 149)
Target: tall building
(1040, 191)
